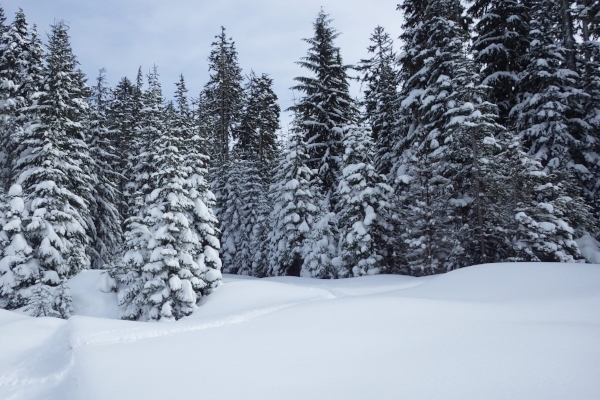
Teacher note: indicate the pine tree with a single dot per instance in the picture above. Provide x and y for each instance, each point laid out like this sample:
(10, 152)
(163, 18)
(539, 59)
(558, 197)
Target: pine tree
(500, 46)
(538, 212)
(380, 97)
(105, 213)
(54, 168)
(364, 204)
(42, 302)
(447, 152)
(320, 253)
(243, 216)
(326, 106)
(224, 94)
(245, 213)
(18, 268)
(63, 302)
(21, 79)
(196, 162)
(144, 120)
(472, 167)
(589, 15)
(123, 119)
(294, 209)
(4, 94)
(149, 129)
(259, 120)
(549, 116)
(168, 264)
(229, 213)
(425, 234)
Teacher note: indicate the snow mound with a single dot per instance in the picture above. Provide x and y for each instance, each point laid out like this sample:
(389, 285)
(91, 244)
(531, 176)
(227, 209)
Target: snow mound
(590, 249)
(499, 331)
(511, 282)
(89, 297)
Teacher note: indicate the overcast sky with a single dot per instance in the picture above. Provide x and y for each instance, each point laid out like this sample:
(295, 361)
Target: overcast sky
(121, 35)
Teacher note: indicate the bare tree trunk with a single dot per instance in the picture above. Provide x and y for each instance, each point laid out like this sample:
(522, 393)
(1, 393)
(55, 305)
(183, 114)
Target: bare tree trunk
(568, 37)
(478, 195)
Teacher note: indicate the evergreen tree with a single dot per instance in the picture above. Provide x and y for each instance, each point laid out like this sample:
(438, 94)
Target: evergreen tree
(326, 106)
(105, 213)
(500, 47)
(294, 209)
(144, 120)
(196, 162)
(259, 120)
(364, 204)
(446, 170)
(426, 233)
(243, 217)
(589, 15)
(20, 80)
(230, 209)
(123, 119)
(224, 94)
(168, 264)
(149, 129)
(538, 224)
(320, 251)
(380, 97)
(42, 302)
(54, 169)
(18, 268)
(549, 116)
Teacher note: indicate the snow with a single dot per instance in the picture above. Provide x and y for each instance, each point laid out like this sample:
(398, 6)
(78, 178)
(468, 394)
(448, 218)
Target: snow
(496, 331)
(590, 249)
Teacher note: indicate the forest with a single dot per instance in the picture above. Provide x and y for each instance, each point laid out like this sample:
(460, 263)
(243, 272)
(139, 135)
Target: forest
(476, 139)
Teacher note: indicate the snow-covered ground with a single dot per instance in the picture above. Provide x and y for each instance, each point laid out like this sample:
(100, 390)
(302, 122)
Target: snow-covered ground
(502, 331)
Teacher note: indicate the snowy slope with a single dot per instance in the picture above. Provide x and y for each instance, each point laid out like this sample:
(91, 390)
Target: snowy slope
(502, 331)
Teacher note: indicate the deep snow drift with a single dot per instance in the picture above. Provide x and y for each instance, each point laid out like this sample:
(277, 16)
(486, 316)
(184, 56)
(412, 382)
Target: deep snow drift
(502, 331)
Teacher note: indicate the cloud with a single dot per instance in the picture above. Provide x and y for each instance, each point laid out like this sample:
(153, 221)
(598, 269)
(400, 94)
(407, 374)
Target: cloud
(121, 35)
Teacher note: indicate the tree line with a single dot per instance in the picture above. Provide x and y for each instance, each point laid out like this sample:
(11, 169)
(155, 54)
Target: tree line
(476, 141)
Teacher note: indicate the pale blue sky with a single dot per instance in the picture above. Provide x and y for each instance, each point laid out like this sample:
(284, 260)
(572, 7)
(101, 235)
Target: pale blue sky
(121, 35)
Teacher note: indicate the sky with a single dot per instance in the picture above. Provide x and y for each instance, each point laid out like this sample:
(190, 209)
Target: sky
(176, 35)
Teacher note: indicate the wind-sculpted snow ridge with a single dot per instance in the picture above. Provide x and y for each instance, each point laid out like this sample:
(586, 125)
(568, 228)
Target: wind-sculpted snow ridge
(499, 331)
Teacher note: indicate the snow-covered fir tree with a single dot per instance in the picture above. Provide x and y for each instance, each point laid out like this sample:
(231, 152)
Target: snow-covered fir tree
(538, 225)
(123, 114)
(294, 208)
(54, 171)
(433, 42)
(168, 264)
(500, 46)
(549, 115)
(19, 270)
(589, 17)
(105, 211)
(230, 205)
(196, 162)
(259, 121)
(244, 216)
(222, 101)
(364, 203)
(447, 149)
(223, 94)
(5, 93)
(320, 252)
(58, 194)
(147, 131)
(325, 106)
(380, 76)
(21, 79)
